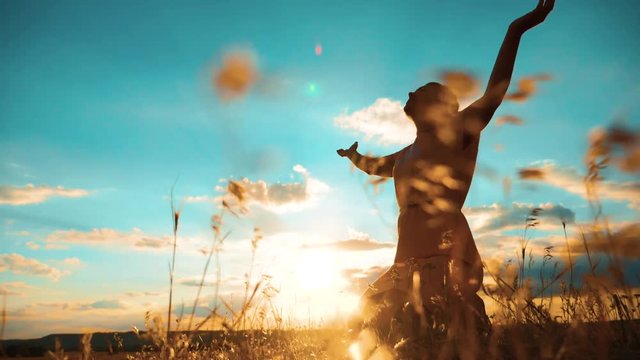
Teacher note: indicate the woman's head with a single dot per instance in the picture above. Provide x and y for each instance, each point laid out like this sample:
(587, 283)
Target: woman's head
(431, 105)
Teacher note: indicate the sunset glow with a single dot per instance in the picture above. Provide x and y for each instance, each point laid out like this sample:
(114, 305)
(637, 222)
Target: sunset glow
(109, 110)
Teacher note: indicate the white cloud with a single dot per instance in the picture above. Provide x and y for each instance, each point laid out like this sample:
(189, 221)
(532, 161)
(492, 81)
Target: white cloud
(72, 261)
(31, 194)
(384, 122)
(361, 278)
(357, 241)
(70, 307)
(136, 294)
(20, 265)
(106, 237)
(21, 233)
(276, 197)
(234, 282)
(572, 181)
(497, 218)
(51, 246)
(103, 304)
(197, 199)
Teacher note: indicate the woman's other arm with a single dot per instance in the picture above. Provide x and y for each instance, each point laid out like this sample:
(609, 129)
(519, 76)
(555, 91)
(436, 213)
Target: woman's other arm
(482, 110)
(379, 166)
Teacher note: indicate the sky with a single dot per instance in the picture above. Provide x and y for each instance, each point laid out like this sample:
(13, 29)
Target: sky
(108, 105)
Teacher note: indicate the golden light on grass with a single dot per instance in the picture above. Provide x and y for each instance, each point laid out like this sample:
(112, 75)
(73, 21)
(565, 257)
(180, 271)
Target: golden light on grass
(364, 345)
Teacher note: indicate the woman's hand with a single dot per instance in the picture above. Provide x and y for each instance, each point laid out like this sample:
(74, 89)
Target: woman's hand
(534, 17)
(350, 152)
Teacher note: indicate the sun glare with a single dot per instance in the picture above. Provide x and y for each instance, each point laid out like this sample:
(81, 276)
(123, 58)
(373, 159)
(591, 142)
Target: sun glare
(318, 271)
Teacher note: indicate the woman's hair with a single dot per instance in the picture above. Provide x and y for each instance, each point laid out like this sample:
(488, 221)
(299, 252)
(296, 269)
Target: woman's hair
(442, 93)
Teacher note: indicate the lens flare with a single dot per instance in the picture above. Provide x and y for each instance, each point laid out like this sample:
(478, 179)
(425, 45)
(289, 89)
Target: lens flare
(312, 89)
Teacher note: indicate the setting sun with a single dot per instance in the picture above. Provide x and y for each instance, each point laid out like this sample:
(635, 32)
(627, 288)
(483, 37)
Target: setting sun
(318, 271)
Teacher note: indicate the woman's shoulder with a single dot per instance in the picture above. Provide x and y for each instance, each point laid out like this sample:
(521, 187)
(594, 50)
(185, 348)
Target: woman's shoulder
(403, 151)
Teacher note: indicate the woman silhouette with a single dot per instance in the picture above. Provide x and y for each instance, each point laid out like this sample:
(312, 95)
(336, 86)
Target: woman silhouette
(432, 177)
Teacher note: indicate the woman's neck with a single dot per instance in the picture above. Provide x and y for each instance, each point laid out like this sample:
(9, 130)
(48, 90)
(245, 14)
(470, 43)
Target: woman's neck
(423, 135)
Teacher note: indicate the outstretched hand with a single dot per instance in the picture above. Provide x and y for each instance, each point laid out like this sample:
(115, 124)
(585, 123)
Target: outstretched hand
(348, 152)
(535, 17)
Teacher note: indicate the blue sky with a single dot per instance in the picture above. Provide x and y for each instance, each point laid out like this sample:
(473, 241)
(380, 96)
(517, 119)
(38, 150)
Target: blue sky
(114, 102)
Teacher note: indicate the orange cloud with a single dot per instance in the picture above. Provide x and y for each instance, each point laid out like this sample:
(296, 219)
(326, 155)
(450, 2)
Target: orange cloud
(14, 288)
(20, 265)
(359, 245)
(508, 119)
(105, 237)
(527, 86)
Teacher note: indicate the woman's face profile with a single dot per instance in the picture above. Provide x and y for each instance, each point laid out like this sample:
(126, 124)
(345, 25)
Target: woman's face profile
(431, 105)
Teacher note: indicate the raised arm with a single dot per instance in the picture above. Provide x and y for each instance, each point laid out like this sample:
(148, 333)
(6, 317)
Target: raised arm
(483, 109)
(379, 166)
